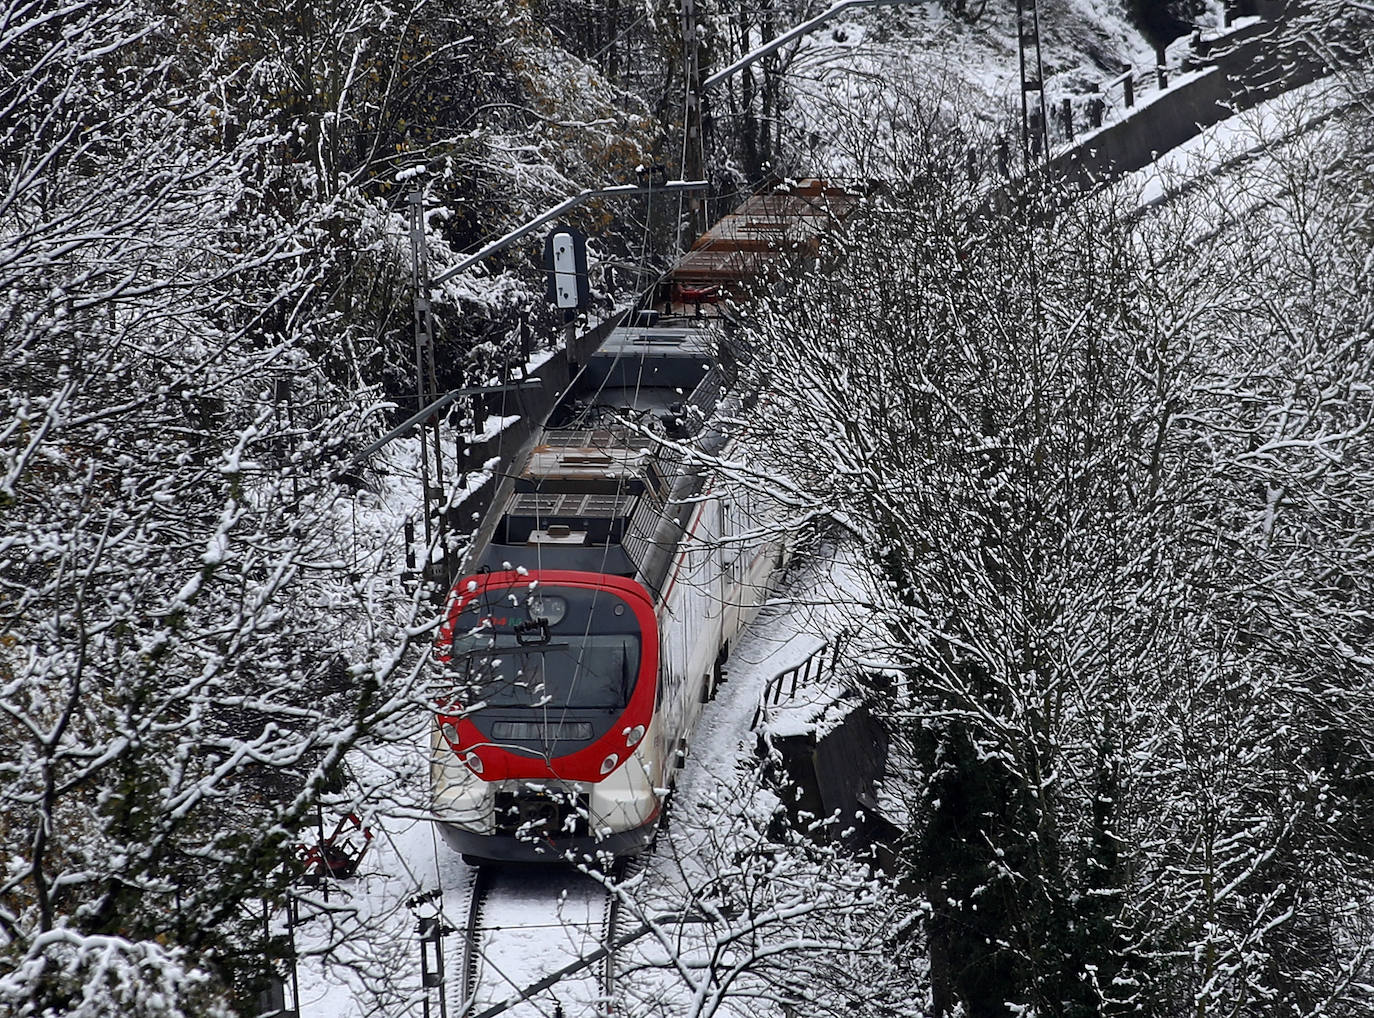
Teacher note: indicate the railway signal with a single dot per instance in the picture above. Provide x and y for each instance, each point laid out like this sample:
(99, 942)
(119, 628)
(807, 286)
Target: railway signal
(565, 262)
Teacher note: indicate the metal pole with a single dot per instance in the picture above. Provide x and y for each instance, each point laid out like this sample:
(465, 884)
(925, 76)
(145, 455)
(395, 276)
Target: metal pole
(1035, 139)
(425, 321)
(432, 932)
(420, 285)
(426, 977)
(1025, 108)
(1040, 76)
(324, 859)
(694, 142)
(293, 919)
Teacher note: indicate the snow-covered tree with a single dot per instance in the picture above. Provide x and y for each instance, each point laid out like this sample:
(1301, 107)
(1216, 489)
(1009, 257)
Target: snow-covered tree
(740, 911)
(187, 644)
(1106, 473)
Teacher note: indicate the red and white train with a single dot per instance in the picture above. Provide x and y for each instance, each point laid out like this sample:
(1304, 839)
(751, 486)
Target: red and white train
(579, 651)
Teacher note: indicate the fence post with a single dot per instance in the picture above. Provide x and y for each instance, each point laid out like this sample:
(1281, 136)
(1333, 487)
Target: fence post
(1161, 70)
(1067, 109)
(1129, 85)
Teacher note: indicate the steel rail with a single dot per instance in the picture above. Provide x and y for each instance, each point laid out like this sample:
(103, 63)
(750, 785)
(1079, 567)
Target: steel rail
(472, 955)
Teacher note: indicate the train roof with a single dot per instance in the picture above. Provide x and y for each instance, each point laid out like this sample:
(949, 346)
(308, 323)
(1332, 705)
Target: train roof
(763, 233)
(587, 499)
(601, 492)
(676, 354)
(595, 460)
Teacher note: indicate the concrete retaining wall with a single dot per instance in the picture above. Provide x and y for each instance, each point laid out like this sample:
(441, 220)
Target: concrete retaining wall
(1246, 69)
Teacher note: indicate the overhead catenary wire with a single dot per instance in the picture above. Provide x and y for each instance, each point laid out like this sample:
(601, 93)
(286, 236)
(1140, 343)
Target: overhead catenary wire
(639, 377)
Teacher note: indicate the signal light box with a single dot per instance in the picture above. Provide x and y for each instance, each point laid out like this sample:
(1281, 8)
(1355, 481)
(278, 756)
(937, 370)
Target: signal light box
(565, 263)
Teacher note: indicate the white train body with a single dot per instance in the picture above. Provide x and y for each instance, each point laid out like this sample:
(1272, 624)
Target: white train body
(581, 648)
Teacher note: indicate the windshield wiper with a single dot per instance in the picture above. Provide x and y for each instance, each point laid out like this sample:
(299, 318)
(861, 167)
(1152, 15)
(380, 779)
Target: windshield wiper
(517, 648)
(531, 631)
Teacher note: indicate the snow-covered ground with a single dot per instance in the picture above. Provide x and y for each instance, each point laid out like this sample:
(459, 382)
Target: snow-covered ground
(879, 82)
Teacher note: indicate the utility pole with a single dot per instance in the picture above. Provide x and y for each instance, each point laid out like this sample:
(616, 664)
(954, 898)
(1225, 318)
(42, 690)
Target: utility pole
(694, 138)
(1034, 126)
(426, 380)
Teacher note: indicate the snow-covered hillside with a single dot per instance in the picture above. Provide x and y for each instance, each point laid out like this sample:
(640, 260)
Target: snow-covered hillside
(873, 87)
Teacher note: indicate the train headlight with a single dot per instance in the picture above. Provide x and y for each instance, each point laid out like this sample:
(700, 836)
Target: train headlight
(633, 735)
(449, 731)
(609, 763)
(474, 763)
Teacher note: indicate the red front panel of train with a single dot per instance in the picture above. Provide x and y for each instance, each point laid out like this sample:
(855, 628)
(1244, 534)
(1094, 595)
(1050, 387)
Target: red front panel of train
(548, 671)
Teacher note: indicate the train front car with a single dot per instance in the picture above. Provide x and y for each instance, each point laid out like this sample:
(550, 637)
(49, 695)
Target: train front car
(578, 652)
(550, 679)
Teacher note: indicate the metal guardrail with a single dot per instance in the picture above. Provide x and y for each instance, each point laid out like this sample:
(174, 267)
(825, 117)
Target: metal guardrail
(819, 664)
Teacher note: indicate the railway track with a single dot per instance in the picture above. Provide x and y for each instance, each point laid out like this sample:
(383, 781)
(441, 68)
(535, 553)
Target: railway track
(539, 942)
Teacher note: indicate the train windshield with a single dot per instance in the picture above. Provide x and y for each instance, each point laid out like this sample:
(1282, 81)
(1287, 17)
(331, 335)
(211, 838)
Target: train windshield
(559, 648)
(596, 672)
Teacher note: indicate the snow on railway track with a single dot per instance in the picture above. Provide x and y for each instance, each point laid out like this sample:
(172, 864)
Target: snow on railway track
(538, 942)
